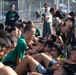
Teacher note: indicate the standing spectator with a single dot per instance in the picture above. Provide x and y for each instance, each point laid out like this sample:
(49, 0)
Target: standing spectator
(11, 16)
(47, 21)
(58, 12)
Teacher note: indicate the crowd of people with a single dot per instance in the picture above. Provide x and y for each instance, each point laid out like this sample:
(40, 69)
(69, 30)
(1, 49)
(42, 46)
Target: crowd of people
(23, 50)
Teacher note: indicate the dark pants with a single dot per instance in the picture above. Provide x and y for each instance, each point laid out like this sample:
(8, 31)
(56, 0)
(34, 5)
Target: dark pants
(11, 23)
(9, 63)
(46, 29)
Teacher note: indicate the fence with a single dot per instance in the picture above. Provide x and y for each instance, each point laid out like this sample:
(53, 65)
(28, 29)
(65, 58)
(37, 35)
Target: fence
(27, 8)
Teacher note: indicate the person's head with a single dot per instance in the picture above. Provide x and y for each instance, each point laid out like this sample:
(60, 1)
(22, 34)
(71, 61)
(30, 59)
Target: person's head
(46, 7)
(37, 14)
(64, 70)
(21, 26)
(48, 46)
(63, 29)
(56, 50)
(3, 46)
(52, 11)
(40, 44)
(72, 14)
(9, 44)
(13, 41)
(68, 23)
(52, 38)
(19, 21)
(3, 36)
(29, 32)
(56, 7)
(7, 29)
(29, 23)
(12, 7)
(60, 71)
(14, 31)
(24, 23)
(73, 54)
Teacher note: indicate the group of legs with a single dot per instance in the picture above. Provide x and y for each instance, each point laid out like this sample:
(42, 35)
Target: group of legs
(5, 70)
(27, 62)
(34, 64)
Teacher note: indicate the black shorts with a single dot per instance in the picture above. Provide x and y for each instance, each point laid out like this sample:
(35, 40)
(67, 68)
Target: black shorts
(44, 71)
(9, 63)
(53, 61)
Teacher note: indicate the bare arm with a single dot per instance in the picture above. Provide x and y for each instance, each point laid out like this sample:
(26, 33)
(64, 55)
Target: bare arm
(18, 60)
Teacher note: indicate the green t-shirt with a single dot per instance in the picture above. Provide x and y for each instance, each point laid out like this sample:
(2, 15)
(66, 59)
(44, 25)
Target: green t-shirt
(1, 60)
(11, 15)
(37, 32)
(19, 51)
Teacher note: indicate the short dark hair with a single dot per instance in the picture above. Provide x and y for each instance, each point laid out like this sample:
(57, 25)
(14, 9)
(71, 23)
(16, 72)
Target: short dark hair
(11, 29)
(45, 4)
(68, 70)
(21, 25)
(2, 43)
(29, 23)
(59, 48)
(7, 40)
(11, 38)
(52, 10)
(71, 19)
(24, 22)
(11, 5)
(49, 43)
(3, 36)
(53, 37)
(41, 40)
(28, 28)
(72, 13)
(19, 20)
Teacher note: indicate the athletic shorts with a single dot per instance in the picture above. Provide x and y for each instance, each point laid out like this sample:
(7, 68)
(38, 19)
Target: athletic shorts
(53, 61)
(44, 71)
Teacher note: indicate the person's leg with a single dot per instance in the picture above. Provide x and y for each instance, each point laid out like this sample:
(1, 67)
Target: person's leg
(51, 27)
(44, 59)
(28, 61)
(7, 71)
(1, 65)
(35, 56)
(48, 29)
(44, 30)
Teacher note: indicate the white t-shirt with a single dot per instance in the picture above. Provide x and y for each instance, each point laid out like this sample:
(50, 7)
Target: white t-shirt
(48, 15)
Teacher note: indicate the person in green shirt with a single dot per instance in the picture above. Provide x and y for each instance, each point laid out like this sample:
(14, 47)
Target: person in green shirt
(17, 52)
(12, 16)
(37, 32)
(16, 55)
